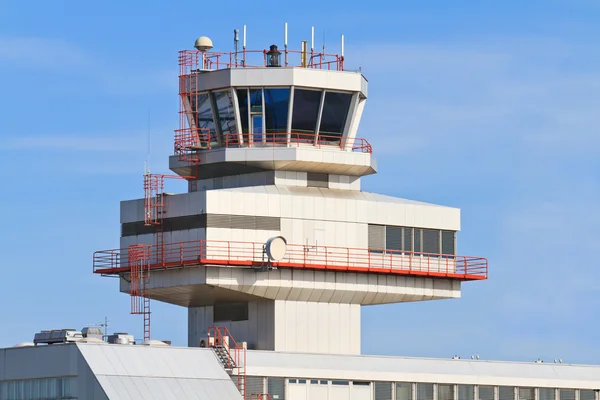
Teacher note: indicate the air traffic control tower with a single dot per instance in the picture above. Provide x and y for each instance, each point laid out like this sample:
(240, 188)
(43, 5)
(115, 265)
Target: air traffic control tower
(275, 239)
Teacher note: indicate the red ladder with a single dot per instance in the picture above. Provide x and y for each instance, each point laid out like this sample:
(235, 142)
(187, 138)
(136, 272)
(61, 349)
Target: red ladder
(139, 272)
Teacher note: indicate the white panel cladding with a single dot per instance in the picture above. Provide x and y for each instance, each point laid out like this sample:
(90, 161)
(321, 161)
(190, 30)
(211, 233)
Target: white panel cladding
(317, 327)
(339, 392)
(257, 331)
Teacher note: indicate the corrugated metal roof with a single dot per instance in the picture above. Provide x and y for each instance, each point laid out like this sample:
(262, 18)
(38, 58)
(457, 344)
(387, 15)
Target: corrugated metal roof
(141, 372)
(266, 363)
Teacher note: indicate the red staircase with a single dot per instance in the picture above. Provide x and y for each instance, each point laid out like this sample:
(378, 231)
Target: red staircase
(231, 354)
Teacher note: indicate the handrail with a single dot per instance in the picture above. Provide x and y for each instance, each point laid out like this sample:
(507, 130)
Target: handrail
(190, 61)
(329, 258)
(193, 139)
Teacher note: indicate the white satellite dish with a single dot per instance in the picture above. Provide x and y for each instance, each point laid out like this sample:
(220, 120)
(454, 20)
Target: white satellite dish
(276, 248)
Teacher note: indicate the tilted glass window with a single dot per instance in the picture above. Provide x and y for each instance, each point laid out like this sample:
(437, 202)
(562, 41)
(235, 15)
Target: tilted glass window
(305, 113)
(333, 117)
(202, 116)
(277, 105)
(225, 113)
(242, 95)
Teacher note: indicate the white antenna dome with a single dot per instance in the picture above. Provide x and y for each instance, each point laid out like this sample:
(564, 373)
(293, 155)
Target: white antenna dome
(203, 43)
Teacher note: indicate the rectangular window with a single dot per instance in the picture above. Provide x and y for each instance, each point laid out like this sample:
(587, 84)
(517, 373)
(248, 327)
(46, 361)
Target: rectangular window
(448, 245)
(340, 383)
(277, 105)
(526, 394)
(376, 238)
(383, 390)
(393, 238)
(506, 393)
(407, 242)
(417, 240)
(467, 392)
(317, 180)
(445, 392)
(230, 312)
(275, 387)
(403, 391)
(567, 394)
(486, 393)
(424, 391)
(431, 241)
(361, 383)
(546, 394)
(586, 395)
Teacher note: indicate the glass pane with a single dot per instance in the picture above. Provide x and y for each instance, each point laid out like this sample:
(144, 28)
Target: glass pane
(256, 100)
(486, 393)
(467, 392)
(275, 387)
(202, 113)
(257, 128)
(506, 393)
(431, 241)
(333, 119)
(242, 95)
(546, 393)
(393, 238)
(448, 242)
(424, 391)
(586, 395)
(407, 243)
(526, 394)
(277, 103)
(225, 113)
(417, 240)
(445, 392)
(305, 113)
(403, 391)
(383, 390)
(567, 394)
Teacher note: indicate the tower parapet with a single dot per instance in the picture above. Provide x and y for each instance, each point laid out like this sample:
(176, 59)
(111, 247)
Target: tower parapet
(270, 150)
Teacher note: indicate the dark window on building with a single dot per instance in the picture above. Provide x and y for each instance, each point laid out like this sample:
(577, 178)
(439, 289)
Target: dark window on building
(340, 383)
(526, 394)
(545, 394)
(506, 393)
(376, 238)
(254, 384)
(586, 395)
(567, 394)
(317, 180)
(225, 114)
(383, 391)
(417, 240)
(448, 242)
(333, 117)
(408, 239)
(393, 238)
(230, 312)
(277, 105)
(445, 392)
(242, 95)
(467, 392)
(431, 241)
(256, 101)
(486, 393)
(361, 383)
(424, 391)
(202, 115)
(275, 387)
(305, 113)
(403, 391)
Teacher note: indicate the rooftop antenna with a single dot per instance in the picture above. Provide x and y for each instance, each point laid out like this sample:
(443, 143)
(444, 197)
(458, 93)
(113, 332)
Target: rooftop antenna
(244, 47)
(105, 326)
(285, 43)
(236, 41)
(312, 43)
(342, 59)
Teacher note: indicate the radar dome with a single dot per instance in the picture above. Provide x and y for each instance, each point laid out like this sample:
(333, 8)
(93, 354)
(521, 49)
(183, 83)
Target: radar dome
(203, 43)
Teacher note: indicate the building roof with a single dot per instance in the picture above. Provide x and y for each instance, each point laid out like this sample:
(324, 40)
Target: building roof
(145, 372)
(406, 369)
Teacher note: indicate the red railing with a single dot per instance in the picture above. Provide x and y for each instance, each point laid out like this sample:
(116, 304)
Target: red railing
(192, 139)
(236, 354)
(192, 60)
(251, 254)
(263, 396)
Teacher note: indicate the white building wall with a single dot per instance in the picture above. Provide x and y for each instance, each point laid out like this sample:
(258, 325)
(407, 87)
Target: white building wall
(311, 327)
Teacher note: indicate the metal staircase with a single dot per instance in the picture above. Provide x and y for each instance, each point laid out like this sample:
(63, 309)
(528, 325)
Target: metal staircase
(230, 354)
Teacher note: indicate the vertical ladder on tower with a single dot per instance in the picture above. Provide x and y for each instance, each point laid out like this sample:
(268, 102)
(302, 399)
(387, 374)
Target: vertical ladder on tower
(139, 272)
(230, 354)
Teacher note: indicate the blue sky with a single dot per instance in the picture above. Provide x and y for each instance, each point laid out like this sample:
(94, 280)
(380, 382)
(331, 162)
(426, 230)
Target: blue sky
(488, 106)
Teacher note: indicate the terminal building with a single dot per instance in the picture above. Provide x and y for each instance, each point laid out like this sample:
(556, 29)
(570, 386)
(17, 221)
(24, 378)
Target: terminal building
(273, 250)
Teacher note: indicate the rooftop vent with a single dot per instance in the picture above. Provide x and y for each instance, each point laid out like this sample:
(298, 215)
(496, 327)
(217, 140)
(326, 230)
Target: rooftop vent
(154, 343)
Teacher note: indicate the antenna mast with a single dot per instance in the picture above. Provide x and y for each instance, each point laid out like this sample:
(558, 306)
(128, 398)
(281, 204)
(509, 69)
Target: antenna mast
(236, 41)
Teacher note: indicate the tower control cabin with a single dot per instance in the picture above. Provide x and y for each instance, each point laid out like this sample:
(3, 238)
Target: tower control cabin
(275, 238)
